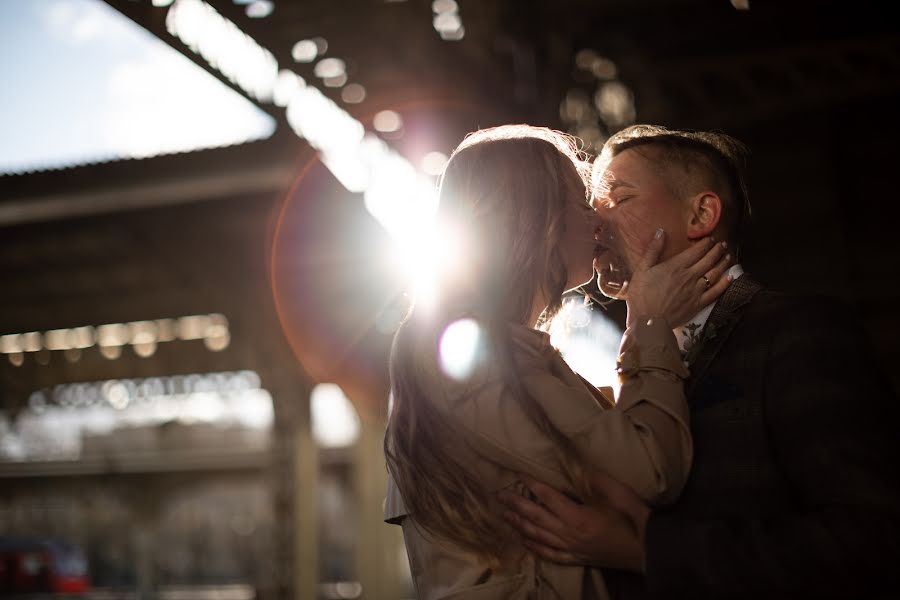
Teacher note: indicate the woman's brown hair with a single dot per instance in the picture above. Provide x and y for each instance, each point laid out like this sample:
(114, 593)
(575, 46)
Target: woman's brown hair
(507, 188)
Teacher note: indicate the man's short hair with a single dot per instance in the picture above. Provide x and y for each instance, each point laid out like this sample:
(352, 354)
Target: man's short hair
(720, 159)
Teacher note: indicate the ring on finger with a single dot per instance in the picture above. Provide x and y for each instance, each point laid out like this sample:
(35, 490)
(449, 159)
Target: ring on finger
(705, 281)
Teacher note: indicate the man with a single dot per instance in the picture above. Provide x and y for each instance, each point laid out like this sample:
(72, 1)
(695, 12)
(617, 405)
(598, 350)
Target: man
(793, 491)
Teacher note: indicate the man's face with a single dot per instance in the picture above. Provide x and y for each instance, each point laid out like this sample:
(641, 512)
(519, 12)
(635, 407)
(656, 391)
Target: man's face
(634, 200)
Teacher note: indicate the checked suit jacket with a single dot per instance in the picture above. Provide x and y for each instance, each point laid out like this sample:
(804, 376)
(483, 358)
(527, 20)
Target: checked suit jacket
(794, 490)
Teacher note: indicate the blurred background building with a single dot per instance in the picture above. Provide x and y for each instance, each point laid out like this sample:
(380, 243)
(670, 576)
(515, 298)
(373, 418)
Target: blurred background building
(211, 213)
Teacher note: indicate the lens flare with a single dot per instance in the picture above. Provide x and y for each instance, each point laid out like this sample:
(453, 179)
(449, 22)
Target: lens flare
(459, 348)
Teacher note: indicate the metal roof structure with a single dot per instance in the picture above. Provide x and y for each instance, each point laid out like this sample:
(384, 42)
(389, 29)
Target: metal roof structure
(810, 86)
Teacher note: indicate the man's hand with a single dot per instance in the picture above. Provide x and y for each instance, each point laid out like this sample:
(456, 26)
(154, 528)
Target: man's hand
(607, 533)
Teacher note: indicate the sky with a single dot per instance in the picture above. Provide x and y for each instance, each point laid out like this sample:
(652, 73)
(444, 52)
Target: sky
(82, 83)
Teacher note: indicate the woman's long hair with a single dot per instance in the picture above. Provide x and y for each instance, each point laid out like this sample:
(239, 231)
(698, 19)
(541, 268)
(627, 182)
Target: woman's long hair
(507, 189)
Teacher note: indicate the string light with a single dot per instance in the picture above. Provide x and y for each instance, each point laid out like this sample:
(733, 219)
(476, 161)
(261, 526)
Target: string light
(144, 336)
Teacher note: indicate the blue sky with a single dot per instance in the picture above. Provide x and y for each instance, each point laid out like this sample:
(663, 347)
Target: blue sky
(82, 83)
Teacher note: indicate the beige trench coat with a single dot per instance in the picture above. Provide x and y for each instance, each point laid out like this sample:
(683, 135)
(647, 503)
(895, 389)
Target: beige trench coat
(644, 441)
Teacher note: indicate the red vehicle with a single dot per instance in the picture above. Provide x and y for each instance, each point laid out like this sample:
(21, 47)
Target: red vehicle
(28, 566)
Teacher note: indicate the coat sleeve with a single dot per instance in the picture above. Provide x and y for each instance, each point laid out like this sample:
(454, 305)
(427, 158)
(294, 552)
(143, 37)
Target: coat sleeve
(831, 422)
(644, 441)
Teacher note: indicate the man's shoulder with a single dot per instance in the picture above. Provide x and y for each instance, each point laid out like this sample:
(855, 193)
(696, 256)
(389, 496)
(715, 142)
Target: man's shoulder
(817, 318)
(773, 302)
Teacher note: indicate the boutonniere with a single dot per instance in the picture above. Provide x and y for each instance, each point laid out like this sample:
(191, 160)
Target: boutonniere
(696, 339)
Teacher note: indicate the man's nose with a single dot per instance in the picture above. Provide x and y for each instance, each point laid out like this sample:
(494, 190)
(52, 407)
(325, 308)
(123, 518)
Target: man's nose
(603, 227)
(598, 217)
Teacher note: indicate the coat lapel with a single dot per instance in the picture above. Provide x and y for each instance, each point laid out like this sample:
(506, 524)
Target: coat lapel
(725, 315)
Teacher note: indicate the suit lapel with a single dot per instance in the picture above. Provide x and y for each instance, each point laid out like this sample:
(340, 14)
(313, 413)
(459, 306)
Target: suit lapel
(725, 315)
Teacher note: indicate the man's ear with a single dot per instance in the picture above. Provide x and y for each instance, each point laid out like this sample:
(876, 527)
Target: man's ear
(705, 214)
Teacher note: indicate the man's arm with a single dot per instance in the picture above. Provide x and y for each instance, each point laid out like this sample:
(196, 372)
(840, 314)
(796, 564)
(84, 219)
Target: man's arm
(832, 423)
(604, 534)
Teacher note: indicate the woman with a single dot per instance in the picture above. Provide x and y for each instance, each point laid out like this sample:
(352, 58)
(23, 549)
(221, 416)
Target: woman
(515, 196)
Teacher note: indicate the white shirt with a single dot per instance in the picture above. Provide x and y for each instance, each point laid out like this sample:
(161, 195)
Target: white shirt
(690, 332)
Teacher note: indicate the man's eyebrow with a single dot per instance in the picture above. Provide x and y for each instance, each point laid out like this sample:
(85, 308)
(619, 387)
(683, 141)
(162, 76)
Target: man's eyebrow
(617, 183)
(606, 187)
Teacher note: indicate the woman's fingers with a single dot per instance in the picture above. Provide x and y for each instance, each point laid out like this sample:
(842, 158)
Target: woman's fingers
(716, 273)
(695, 252)
(708, 261)
(653, 251)
(712, 275)
(715, 290)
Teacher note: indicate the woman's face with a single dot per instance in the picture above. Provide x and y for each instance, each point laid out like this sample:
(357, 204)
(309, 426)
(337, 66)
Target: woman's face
(579, 245)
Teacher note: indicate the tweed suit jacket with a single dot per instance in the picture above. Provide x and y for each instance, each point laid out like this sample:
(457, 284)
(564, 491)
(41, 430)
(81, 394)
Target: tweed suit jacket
(794, 490)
